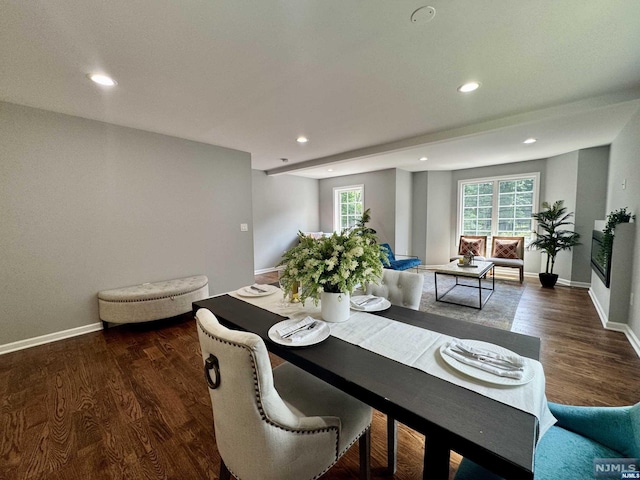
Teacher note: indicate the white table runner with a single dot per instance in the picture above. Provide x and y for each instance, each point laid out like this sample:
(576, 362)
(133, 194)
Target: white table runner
(419, 348)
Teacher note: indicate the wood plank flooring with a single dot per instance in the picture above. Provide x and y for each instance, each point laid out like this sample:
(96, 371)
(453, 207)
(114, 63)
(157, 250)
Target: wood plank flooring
(130, 402)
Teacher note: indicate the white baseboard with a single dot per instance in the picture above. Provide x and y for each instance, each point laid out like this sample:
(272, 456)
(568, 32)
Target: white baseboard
(260, 271)
(615, 326)
(568, 283)
(603, 316)
(50, 337)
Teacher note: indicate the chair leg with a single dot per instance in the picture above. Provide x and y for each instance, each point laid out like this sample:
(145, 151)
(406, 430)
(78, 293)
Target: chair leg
(521, 274)
(364, 447)
(392, 445)
(225, 474)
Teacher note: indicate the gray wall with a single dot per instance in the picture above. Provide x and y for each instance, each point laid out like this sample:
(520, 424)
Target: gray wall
(282, 206)
(88, 206)
(431, 216)
(379, 196)
(561, 184)
(591, 201)
(439, 233)
(624, 164)
(403, 212)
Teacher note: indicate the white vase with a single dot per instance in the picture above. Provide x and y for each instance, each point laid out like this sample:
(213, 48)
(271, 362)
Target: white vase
(335, 307)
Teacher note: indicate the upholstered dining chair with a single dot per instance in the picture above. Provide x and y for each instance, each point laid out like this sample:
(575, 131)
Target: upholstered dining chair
(400, 288)
(581, 435)
(280, 424)
(403, 289)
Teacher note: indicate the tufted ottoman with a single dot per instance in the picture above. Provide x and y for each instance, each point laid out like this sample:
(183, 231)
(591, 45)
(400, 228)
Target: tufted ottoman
(151, 301)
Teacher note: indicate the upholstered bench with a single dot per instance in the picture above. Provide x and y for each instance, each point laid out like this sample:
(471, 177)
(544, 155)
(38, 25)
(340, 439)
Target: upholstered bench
(151, 301)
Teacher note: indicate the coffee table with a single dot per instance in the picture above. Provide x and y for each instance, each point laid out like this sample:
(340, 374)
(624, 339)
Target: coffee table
(478, 271)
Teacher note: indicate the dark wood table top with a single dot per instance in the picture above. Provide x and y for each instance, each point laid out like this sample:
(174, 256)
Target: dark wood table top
(495, 435)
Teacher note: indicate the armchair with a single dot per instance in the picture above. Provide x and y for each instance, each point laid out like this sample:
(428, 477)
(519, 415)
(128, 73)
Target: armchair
(568, 448)
(399, 264)
(508, 252)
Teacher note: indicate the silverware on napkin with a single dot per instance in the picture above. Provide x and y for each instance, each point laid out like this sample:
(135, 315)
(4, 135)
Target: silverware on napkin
(253, 287)
(299, 329)
(505, 364)
(368, 300)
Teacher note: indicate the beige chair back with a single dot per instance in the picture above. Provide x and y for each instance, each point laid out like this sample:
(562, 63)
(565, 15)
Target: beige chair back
(519, 247)
(257, 434)
(399, 287)
(483, 246)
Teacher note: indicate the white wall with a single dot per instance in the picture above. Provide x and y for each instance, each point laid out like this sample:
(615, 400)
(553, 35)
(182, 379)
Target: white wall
(282, 206)
(88, 206)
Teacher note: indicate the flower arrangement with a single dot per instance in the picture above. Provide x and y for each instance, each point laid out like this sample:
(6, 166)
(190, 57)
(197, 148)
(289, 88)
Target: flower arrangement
(336, 264)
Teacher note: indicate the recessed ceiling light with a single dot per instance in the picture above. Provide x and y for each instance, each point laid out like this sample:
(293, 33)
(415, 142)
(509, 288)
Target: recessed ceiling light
(302, 139)
(329, 169)
(468, 87)
(530, 140)
(102, 80)
(423, 159)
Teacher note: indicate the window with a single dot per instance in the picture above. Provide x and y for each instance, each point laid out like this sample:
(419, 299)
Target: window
(499, 206)
(348, 205)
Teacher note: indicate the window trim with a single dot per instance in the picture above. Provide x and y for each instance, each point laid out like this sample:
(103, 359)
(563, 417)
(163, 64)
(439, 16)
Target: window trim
(336, 193)
(497, 178)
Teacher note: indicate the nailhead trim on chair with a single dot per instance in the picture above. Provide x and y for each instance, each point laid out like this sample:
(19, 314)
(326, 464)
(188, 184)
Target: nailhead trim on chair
(264, 416)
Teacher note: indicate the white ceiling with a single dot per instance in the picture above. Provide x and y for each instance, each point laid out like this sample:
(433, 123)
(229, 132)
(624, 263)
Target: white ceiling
(369, 88)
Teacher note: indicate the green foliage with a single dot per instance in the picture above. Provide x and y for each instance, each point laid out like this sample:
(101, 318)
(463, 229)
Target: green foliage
(614, 218)
(334, 264)
(550, 237)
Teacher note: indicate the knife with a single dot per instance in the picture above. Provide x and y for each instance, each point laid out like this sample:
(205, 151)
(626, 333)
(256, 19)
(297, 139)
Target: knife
(253, 287)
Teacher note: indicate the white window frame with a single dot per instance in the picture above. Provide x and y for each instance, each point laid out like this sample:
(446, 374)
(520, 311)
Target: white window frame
(496, 206)
(336, 203)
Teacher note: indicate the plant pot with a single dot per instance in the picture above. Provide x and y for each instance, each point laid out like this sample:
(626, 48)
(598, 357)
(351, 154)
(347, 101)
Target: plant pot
(335, 307)
(548, 280)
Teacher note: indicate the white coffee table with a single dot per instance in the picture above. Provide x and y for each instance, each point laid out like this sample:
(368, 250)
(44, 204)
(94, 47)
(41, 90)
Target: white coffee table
(478, 271)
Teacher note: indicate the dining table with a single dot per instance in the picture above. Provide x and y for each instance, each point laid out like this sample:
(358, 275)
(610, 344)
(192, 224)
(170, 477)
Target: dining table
(452, 415)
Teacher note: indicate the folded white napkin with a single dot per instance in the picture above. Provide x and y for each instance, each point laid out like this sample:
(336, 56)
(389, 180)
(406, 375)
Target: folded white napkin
(514, 371)
(516, 360)
(305, 322)
(305, 335)
(365, 301)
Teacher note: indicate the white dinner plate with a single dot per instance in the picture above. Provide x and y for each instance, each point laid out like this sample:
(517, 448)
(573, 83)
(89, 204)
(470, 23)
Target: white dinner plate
(527, 374)
(322, 333)
(250, 292)
(378, 307)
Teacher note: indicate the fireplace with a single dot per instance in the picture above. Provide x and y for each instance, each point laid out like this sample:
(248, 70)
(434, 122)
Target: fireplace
(602, 268)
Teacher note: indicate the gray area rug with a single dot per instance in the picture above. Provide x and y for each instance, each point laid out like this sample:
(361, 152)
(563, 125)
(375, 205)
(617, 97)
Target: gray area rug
(498, 312)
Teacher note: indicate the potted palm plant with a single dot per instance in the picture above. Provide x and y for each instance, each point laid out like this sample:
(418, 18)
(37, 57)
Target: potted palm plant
(551, 238)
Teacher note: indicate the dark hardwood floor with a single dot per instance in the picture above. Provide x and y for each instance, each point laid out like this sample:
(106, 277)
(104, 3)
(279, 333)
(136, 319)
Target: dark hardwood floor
(130, 402)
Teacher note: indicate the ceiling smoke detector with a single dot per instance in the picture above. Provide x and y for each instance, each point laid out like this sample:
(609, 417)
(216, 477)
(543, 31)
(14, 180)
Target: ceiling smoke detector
(423, 15)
